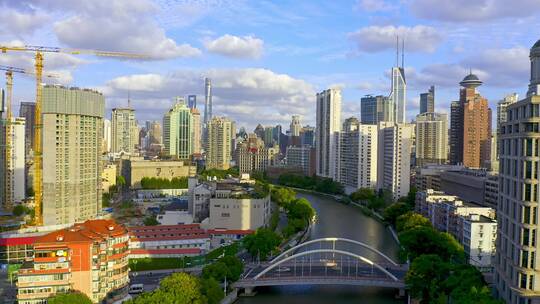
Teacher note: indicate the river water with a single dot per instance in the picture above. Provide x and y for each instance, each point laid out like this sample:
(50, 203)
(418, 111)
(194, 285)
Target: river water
(337, 220)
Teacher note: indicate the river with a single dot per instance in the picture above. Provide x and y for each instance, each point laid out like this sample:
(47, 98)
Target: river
(336, 220)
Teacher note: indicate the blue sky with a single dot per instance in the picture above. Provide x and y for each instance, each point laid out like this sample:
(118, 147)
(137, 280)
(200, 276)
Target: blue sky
(267, 59)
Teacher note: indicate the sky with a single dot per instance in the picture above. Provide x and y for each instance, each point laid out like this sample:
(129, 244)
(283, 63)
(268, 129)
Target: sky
(268, 59)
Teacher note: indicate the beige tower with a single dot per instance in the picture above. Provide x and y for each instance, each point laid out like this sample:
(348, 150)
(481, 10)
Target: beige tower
(431, 138)
(219, 156)
(124, 131)
(196, 130)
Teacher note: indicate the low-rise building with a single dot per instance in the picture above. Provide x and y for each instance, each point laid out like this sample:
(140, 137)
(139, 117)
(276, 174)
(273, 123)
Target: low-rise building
(429, 176)
(135, 169)
(174, 217)
(478, 240)
(108, 177)
(472, 185)
(90, 257)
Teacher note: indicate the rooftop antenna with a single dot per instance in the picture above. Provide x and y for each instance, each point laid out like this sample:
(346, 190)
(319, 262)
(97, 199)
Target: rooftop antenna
(397, 50)
(470, 71)
(129, 100)
(402, 53)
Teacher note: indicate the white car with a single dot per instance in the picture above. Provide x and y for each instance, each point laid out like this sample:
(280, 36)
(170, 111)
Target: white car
(136, 288)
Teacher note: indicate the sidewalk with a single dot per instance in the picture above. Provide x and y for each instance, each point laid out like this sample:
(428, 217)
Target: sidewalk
(190, 269)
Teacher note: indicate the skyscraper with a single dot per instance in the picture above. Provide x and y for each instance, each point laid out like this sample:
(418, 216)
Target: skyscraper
(295, 126)
(28, 110)
(431, 138)
(398, 93)
(192, 101)
(196, 130)
(394, 158)
(427, 101)
(328, 120)
(12, 186)
(456, 133)
(516, 265)
(207, 100)
(220, 130)
(178, 130)
(124, 130)
(107, 132)
(501, 114)
(307, 136)
(72, 135)
(374, 109)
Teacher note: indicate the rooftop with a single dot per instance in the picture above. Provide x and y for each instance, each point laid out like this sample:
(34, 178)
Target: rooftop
(88, 231)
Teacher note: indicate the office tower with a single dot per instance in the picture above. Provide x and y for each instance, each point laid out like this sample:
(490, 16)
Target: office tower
(220, 130)
(207, 100)
(13, 180)
(254, 156)
(107, 132)
(277, 133)
(196, 130)
(427, 101)
(517, 274)
(374, 109)
(456, 133)
(268, 137)
(501, 113)
(28, 110)
(178, 130)
(328, 119)
(431, 138)
(72, 135)
(357, 163)
(259, 131)
(307, 136)
(394, 158)
(398, 93)
(295, 126)
(192, 101)
(124, 130)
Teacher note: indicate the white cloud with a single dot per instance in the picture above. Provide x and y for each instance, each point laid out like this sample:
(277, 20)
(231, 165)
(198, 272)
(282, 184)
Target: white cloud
(474, 11)
(375, 6)
(20, 24)
(419, 38)
(236, 47)
(117, 25)
(247, 95)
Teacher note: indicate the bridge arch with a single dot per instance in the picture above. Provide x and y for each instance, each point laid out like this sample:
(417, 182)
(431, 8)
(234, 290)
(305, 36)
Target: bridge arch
(333, 239)
(297, 255)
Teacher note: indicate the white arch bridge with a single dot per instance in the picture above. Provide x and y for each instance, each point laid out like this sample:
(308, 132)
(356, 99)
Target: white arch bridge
(327, 261)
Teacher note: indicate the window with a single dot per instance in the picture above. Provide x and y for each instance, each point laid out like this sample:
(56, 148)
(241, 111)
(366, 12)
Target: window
(522, 280)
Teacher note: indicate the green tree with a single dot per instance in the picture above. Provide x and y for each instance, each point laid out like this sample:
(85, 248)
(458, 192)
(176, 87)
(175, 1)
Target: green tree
(178, 288)
(426, 240)
(392, 212)
(120, 181)
(150, 221)
(283, 196)
(362, 194)
(411, 220)
(425, 278)
(212, 291)
(235, 267)
(300, 208)
(71, 298)
(261, 243)
(217, 271)
(19, 210)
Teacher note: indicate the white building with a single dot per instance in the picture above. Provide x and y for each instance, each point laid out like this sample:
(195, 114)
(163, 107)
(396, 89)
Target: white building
(398, 94)
(107, 141)
(478, 240)
(394, 157)
(328, 119)
(13, 186)
(174, 217)
(357, 161)
(295, 126)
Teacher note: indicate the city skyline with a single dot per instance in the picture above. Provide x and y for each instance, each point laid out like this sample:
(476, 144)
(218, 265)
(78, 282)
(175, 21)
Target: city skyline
(246, 58)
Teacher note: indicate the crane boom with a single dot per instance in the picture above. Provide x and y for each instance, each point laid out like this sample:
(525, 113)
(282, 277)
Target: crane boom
(38, 51)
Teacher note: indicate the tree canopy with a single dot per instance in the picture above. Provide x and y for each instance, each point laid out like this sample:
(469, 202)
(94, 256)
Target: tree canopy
(261, 243)
(164, 183)
(71, 298)
(319, 184)
(178, 288)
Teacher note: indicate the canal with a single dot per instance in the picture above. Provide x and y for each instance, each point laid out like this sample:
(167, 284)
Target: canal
(336, 220)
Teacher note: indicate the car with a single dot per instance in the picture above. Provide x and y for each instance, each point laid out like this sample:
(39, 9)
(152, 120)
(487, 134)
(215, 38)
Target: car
(136, 288)
(283, 269)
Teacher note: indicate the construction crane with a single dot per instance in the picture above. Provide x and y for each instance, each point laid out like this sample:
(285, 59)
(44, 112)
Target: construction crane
(38, 51)
(9, 115)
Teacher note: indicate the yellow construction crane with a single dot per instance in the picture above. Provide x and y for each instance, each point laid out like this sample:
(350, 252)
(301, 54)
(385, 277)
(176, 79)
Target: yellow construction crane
(9, 114)
(39, 50)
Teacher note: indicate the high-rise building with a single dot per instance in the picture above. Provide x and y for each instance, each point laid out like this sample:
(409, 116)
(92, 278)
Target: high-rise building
(28, 111)
(295, 126)
(501, 113)
(431, 138)
(427, 101)
(394, 158)
(259, 131)
(196, 130)
(72, 137)
(307, 136)
(178, 130)
(254, 156)
(107, 133)
(155, 133)
(398, 93)
(374, 109)
(192, 101)
(516, 266)
(328, 120)
(124, 130)
(301, 157)
(357, 164)
(13, 180)
(269, 137)
(470, 126)
(220, 131)
(207, 100)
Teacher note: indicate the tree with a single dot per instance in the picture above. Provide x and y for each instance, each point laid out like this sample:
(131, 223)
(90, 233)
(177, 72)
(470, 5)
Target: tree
(19, 210)
(426, 240)
(120, 181)
(235, 267)
(411, 220)
(392, 212)
(217, 271)
(261, 243)
(425, 278)
(283, 196)
(362, 194)
(300, 208)
(212, 291)
(150, 221)
(178, 288)
(71, 298)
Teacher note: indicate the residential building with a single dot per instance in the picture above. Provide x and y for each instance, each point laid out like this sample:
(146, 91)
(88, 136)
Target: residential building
(89, 257)
(12, 163)
(108, 177)
(394, 158)
(107, 134)
(220, 136)
(254, 156)
(517, 271)
(374, 109)
(357, 162)
(431, 138)
(427, 101)
(301, 157)
(307, 136)
(196, 130)
(28, 111)
(501, 118)
(178, 130)
(456, 133)
(472, 185)
(268, 138)
(72, 131)
(478, 237)
(328, 119)
(295, 126)
(134, 169)
(125, 132)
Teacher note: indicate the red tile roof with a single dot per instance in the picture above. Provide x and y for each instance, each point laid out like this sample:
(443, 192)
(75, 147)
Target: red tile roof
(86, 232)
(18, 241)
(226, 231)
